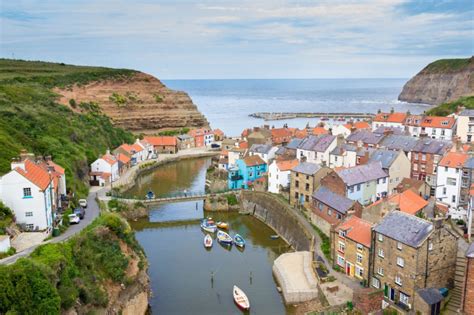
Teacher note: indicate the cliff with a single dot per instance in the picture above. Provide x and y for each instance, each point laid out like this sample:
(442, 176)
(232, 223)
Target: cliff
(139, 103)
(442, 81)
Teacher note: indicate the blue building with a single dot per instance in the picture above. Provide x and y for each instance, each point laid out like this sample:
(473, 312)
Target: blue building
(246, 171)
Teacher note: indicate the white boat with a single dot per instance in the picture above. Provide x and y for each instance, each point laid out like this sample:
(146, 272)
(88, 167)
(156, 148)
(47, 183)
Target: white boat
(208, 226)
(207, 241)
(241, 299)
(224, 238)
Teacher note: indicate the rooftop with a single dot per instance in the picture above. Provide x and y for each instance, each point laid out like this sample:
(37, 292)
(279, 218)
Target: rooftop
(161, 140)
(287, 165)
(430, 295)
(395, 117)
(361, 173)
(357, 230)
(307, 168)
(385, 157)
(399, 142)
(454, 160)
(294, 143)
(35, 174)
(339, 203)
(366, 136)
(253, 160)
(432, 146)
(408, 202)
(260, 148)
(316, 143)
(438, 122)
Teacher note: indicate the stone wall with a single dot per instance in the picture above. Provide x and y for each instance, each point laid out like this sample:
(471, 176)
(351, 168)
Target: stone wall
(279, 216)
(368, 300)
(469, 288)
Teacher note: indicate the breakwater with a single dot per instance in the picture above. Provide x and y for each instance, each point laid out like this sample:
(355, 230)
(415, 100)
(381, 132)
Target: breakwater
(288, 115)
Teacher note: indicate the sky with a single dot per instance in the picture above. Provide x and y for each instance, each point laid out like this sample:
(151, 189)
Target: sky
(206, 39)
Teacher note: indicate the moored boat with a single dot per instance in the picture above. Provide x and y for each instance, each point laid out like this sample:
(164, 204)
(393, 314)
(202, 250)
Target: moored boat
(150, 195)
(239, 240)
(222, 225)
(208, 225)
(275, 237)
(207, 241)
(223, 237)
(240, 298)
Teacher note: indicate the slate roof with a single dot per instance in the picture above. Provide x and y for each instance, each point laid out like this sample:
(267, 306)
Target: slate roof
(365, 136)
(307, 168)
(316, 143)
(467, 112)
(394, 130)
(469, 163)
(432, 146)
(430, 295)
(260, 148)
(385, 157)
(184, 137)
(361, 173)
(340, 149)
(294, 143)
(253, 160)
(333, 200)
(405, 228)
(280, 151)
(399, 142)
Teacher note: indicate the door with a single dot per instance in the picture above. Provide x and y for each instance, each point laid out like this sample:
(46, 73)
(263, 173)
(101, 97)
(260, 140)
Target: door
(436, 309)
(392, 294)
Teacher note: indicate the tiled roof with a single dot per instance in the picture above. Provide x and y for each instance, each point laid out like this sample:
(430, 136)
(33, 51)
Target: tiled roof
(438, 122)
(56, 167)
(320, 131)
(301, 133)
(253, 160)
(391, 117)
(316, 143)
(35, 174)
(218, 132)
(199, 132)
(126, 147)
(408, 183)
(413, 120)
(243, 145)
(430, 295)
(286, 165)
(123, 158)
(340, 203)
(385, 157)
(260, 148)
(281, 132)
(307, 168)
(109, 158)
(361, 173)
(432, 146)
(365, 136)
(162, 140)
(454, 160)
(137, 148)
(398, 142)
(358, 125)
(405, 228)
(408, 201)
(357, 230)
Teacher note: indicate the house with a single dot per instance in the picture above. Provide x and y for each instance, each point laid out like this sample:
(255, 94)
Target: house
(185, 142)
(218, 135)
(265, 151)
(351, 242)
(343, 155)
(305, 179)
(229, 143)
(136, 152)
(395, 164)
(316, 149)
(108, 164)
(392, 119)
(223, 163)
(28, 190)
(163, 144)
(413, 125)
(425, 156)
(246, 171)
(435, 127)
(346, 129)
(203, 137)
(409, 254)
(235, 154)
(259, 135)
(99, 178)
(281, 136)
(319, 130)
(408, 202)
(418, 186)
(399, 143)
(365, 139)
(465, 126)
(365, 183)
(329, 209)
(124, 163)
(449, 180)
(467, 182)
(279, 173)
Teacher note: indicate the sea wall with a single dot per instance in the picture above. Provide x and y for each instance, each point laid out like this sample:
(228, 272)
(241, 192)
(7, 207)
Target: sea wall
(277, 215)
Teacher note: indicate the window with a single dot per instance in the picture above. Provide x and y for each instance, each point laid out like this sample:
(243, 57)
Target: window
(320, 206)
(338, 216)
(430, 246)
(359, 258)
(307, 186)
(296, 195)
(307, 177)
(342, 233)
(359, 272)
(360, 247)
(384, 180)
(342, 247)
(400, 262)
(453, 198)
(399, 246)
(415, 155)
(28, 214)
(398, 280)
(27, 192)
(404, 299)
(415, 167)
(358, 187)
(423, 157)
(380, 271)
(307, 198)
(329, 212)
(444, 190)
(351, 189)
(340, 261)
(375, 283)
(451, 181)
(380, 238)
(30, 227)
(381, 253)
(297, 184)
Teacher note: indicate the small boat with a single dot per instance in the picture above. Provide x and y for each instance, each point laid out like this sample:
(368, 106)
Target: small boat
(207, 241)
(208, 225)
(239, 240)
(241, 299)
(324, 118)
(224, 238)
(222, 225)
(150, 195)
(275, 237)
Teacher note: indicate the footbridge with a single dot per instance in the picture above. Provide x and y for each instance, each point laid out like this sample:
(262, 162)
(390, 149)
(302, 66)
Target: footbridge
(176, 197)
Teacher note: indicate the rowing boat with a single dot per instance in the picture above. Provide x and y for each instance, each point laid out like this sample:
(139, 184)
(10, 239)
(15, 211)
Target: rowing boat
(241, 299)
(223, 237)
(207, 241)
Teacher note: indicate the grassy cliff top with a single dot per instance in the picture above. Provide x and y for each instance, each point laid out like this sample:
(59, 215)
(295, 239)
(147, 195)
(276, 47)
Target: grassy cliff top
(449, 65)
(450, 107)
(55, 74)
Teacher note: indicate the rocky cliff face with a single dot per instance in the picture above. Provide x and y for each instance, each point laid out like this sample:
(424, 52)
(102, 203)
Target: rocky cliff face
(139, 103)
(441, 81)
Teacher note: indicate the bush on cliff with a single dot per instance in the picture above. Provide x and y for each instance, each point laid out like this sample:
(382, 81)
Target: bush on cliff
(446, 109)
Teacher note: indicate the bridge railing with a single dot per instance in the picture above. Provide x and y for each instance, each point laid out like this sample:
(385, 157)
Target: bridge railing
(173, 195)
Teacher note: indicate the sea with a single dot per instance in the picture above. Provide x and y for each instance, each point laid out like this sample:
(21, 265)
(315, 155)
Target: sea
(227, 104)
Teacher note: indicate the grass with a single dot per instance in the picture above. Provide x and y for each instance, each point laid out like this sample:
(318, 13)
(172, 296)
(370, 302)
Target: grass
(325, 243)
(448, 65)
(451, 107)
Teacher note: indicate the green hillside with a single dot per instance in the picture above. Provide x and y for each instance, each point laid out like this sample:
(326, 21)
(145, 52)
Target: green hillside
(450, 107)
(448, 65)
(30, 117)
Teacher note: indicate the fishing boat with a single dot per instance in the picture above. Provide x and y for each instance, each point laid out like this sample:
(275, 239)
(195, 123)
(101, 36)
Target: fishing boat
(150, 195)
(222, 225)
(224, 238)
(241, 299)
(239, 241)
(208, 225)
(275, 237)
(207, 241)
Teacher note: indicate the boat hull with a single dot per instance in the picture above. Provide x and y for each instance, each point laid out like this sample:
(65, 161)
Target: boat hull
(241, 299)
(224, 238)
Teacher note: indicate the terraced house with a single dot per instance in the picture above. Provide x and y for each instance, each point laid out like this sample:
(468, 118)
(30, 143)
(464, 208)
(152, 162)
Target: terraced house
(316, 149)
(434, 127)
(305, 179)
(395, 164)
(410, 255)
(246, 172)
(392, 119)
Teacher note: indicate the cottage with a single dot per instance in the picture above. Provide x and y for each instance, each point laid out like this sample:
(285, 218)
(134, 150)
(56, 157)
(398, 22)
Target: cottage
(265, 151)
(279, 174)
(136, 152)
(395, 164)
(316, 149)
(365, 139)
(246, 171)
(185, 142)
(281, 136)
(107, 164)
(343, 155)
(305, 179)
(218, 135)
(434, 127)
(259, 136)
(465, 126)
(229, 143)
(163, 144)
(124, 163)
(202, 137)
(392, 119)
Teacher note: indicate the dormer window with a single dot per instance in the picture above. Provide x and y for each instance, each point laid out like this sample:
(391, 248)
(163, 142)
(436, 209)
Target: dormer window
(342, 233)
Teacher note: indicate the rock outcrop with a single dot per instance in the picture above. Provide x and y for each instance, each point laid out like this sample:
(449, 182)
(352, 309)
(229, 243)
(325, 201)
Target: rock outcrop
(441, 81)
(139, 103)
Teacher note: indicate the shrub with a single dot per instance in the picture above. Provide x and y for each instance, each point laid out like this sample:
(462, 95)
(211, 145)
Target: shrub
(232, 200)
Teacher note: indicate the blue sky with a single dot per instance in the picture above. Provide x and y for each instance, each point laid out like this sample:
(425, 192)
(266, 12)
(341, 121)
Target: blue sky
(241, 39)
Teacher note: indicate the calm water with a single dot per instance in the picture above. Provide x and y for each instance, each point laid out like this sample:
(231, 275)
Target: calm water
(180, 267)
(227, 103)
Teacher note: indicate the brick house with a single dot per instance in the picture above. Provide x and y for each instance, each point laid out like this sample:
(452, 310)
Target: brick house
(409, 254)
(350, 247)
(163, 144)
(305, 179)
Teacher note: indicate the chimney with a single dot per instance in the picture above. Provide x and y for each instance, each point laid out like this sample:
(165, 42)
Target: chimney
(387, 131)
(48, 158)
(340, 140)
(24, 155)
(438, 222)
(16, 162)
(392, 110)
(107, 152)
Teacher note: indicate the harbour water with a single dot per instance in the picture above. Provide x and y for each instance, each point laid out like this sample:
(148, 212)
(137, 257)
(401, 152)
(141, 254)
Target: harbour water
(227, 103)
(185, 277)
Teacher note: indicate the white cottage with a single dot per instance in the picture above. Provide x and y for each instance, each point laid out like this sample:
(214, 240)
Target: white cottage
(106, 164)
(279, 173)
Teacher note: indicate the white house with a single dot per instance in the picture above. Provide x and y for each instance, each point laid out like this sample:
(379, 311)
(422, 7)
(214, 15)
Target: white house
(149, 149)
(265, 151)
(316, 149)
(392, 119)
(343, 156)
(465, 126)
(28, 190)
(4, 243)
(107, 164)
(279, 173)
(449, 181)
(234, 155)
(341, 129)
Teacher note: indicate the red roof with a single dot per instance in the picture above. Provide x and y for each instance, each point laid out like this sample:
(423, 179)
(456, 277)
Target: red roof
(35, 174)
(126, 147)
(454, 160)
(161, 140)
(286, 165)
(109, 159)
(243, 145)
(218, 132)
(281, 132)
(358, 125)
(320, 131)
(438, 122)
(253, 160)
(408, 201)
(56, 167)
(357, 230)
(123, 158)
(137, 148)
(391, 117)
(301, 133)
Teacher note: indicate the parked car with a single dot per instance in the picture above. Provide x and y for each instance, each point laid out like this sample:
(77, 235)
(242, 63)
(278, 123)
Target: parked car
(74, 219)
(83, 203)
(80, 212)
(215, 146)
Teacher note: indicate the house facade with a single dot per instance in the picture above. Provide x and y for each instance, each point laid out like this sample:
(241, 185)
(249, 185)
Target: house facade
(246, 171)
(395, 163)
(392, 119)
(202, 137)
(279, 174)
(343, 156)
(465, 126)
(316, 149)
(305, 179)
(163, 144)
(108, 164)
(185, 142)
